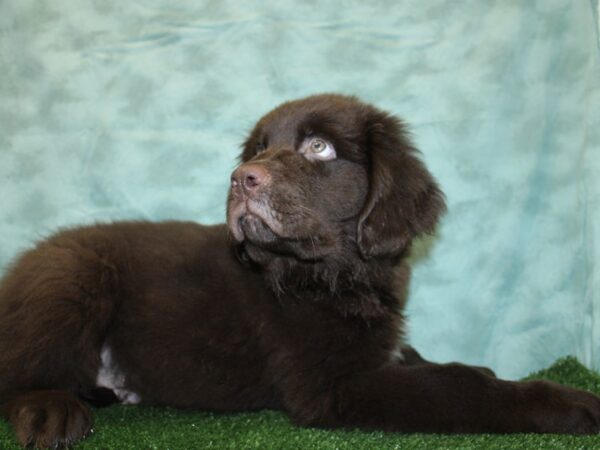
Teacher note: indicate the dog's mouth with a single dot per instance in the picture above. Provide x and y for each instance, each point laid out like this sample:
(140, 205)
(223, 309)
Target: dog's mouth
(253, 220)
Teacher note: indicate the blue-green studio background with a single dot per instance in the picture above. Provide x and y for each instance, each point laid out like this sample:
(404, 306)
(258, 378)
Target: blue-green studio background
(115, 109)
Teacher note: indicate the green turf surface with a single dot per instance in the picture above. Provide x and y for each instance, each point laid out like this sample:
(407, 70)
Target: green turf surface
(130, 427)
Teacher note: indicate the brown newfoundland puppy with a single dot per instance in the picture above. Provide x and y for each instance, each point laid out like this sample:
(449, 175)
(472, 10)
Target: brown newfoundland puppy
(295, 305)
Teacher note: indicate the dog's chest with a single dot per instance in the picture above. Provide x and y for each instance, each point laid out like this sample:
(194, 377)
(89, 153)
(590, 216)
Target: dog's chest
(111, 377)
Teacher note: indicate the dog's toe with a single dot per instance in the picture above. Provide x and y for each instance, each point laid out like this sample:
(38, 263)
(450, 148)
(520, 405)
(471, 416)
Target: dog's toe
(50, 419)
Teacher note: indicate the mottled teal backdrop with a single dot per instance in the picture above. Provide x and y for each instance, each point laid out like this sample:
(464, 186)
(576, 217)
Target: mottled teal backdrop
(115, 109)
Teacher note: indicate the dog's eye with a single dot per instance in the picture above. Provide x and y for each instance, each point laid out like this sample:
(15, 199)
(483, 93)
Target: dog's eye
(317, 148)
(318, 145)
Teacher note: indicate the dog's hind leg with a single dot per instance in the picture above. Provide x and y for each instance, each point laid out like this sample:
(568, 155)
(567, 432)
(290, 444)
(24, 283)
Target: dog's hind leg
(55, 306)
(48, 418)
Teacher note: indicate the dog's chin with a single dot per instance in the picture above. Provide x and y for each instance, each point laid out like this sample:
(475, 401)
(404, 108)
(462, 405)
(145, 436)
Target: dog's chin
(253, 229)
(249, 220)
(256, 226)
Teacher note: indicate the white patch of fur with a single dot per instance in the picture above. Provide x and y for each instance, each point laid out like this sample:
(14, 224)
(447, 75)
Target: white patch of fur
(110, 377)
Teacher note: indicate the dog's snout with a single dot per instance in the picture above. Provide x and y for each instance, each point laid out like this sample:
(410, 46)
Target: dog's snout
(249, 178)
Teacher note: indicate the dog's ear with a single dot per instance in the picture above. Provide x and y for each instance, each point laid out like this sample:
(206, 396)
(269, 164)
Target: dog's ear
(404, 200)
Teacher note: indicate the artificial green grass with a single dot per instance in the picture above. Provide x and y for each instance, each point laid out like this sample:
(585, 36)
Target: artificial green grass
(130, 427)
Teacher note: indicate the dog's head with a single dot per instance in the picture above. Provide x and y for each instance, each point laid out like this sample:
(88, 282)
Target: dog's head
(326, 176)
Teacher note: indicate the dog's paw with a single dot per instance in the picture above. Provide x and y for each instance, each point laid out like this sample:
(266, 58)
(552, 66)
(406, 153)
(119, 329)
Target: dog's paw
(564, 410)
(49, 419)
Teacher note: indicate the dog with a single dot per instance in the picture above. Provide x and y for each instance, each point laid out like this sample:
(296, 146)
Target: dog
(296, 304)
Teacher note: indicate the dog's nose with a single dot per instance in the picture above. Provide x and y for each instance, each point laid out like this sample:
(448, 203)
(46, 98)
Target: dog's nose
(249, 178)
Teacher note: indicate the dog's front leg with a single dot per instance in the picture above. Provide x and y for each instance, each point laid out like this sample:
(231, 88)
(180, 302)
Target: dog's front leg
(411, 357)
(454, 398)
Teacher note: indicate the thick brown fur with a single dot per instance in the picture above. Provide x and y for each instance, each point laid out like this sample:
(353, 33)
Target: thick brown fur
(296, 305)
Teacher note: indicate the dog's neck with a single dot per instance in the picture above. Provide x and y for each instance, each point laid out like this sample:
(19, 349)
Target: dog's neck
(345, 281)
